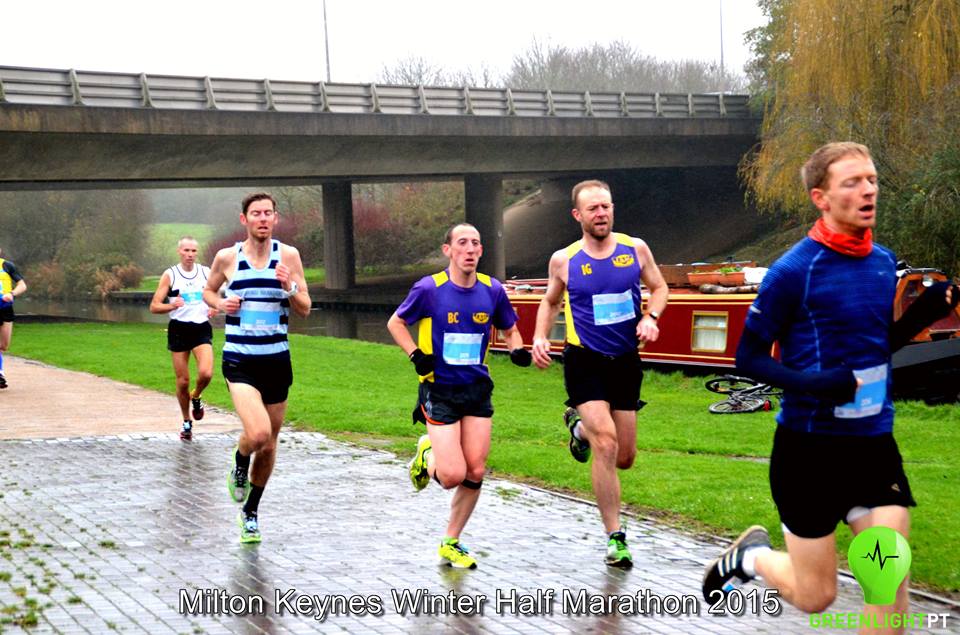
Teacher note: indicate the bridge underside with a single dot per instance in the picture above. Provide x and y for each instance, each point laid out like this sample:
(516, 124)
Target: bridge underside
(50, 147)
(48, 161)
(55, 147)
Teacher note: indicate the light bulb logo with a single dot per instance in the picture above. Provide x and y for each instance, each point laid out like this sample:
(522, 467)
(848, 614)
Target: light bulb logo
(880, 560)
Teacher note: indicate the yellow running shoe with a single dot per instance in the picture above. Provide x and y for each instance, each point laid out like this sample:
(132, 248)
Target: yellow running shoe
(453, 554)
(419, 475)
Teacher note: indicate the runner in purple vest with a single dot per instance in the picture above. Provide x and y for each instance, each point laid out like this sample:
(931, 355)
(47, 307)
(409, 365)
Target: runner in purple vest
(454, 310)
(11, 286)
(598, 278)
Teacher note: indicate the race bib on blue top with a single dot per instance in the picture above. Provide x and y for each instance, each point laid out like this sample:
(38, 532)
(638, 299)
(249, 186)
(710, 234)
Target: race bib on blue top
(462, 349)
(613, 308)
(870, 396)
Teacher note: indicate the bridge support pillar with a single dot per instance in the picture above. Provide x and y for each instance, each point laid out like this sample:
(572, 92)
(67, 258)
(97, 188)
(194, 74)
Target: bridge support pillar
(483, 198)
(339, 258)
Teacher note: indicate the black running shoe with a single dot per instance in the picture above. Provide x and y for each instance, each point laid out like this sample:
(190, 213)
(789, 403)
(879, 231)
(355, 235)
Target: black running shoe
(237, 482)
(721, 572)
(579, 448)
(198, 411)
(186, 432)
(3, 381)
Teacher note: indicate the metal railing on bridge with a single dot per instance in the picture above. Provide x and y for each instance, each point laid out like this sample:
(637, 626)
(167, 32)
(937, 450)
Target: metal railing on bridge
(123, 90)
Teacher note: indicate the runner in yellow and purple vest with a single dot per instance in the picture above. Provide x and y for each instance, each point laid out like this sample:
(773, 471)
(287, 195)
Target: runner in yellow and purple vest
(603, 299)
(11, 285)
(598, 280)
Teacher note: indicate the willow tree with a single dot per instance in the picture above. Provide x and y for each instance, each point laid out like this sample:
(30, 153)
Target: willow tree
(885, 73)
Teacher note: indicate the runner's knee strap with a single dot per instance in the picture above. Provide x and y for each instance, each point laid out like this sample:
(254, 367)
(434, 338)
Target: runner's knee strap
(472, 484)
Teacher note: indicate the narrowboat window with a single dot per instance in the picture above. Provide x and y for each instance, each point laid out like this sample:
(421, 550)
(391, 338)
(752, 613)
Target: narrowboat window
(559, 331)
(710, 332)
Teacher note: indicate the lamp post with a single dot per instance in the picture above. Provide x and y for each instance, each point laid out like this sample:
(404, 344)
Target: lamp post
(721, 38)
(326, 39)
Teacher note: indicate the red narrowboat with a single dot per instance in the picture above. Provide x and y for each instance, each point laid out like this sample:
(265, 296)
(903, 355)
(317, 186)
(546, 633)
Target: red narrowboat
(703, 323)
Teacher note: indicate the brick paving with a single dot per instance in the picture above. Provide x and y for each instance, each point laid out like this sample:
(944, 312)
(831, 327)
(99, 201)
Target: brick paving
(110, 532)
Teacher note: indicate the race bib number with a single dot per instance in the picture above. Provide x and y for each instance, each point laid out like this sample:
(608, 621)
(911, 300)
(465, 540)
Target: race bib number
(192, 297)
(613, 308)
(258, 316)
(462, 349)
(870, 396)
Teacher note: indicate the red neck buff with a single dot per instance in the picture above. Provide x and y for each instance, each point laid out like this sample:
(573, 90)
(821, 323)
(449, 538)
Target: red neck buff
(842, 243)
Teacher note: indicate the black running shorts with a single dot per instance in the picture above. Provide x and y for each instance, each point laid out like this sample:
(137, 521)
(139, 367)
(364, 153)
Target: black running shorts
(591, 376)
(816, 479)
(6, 314)
(183, 337)
(443, 405)
(272, 376)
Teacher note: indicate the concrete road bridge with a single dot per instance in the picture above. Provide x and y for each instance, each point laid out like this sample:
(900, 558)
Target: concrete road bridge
(67, 129)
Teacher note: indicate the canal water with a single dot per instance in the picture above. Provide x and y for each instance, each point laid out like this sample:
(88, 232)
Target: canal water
(367, 325)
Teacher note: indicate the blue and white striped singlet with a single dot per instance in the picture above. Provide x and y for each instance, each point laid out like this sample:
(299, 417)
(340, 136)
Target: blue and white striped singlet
(259, 330)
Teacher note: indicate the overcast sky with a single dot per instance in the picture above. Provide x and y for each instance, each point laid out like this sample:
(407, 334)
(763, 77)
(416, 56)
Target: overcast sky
(283, 39)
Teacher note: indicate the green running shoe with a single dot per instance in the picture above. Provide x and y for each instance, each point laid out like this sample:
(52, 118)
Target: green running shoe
(418, 465)
(249, 527)
(617, 553)
(455, 555)
(237, 482)
(578, 448)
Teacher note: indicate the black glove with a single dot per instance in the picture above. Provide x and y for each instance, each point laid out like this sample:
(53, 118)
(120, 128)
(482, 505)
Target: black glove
(930, 306)
(425, 364)
(521, 357)
(835, 386)
(838, 386)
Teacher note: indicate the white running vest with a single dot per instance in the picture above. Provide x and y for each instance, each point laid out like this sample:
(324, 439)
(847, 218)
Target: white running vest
(189, 286)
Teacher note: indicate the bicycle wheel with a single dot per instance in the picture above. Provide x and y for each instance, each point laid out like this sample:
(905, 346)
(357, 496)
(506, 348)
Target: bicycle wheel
(774, 393)
(735, 406)
(729, 383)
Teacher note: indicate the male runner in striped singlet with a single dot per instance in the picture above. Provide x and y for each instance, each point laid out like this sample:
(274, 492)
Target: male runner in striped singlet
(11, 285)
(598, 277)
(264, 281)
(180, 293)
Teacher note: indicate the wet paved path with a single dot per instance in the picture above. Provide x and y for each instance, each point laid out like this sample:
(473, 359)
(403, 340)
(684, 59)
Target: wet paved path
(110, 533)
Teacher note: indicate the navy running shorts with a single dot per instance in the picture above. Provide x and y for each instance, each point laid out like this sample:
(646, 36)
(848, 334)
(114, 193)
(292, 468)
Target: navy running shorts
(816, 479)
(183, 337)
(6, 314)
(443, 404)
(592, 376)
(272, 376)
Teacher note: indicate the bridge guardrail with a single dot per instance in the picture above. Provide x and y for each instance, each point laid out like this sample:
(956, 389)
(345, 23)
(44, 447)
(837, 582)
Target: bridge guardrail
(20, 85)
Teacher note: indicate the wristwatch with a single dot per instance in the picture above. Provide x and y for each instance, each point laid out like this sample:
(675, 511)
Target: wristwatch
(294, 289)
(654, 315)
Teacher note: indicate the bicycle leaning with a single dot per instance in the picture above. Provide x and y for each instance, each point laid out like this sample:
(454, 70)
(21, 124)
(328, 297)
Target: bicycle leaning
(742, 395)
